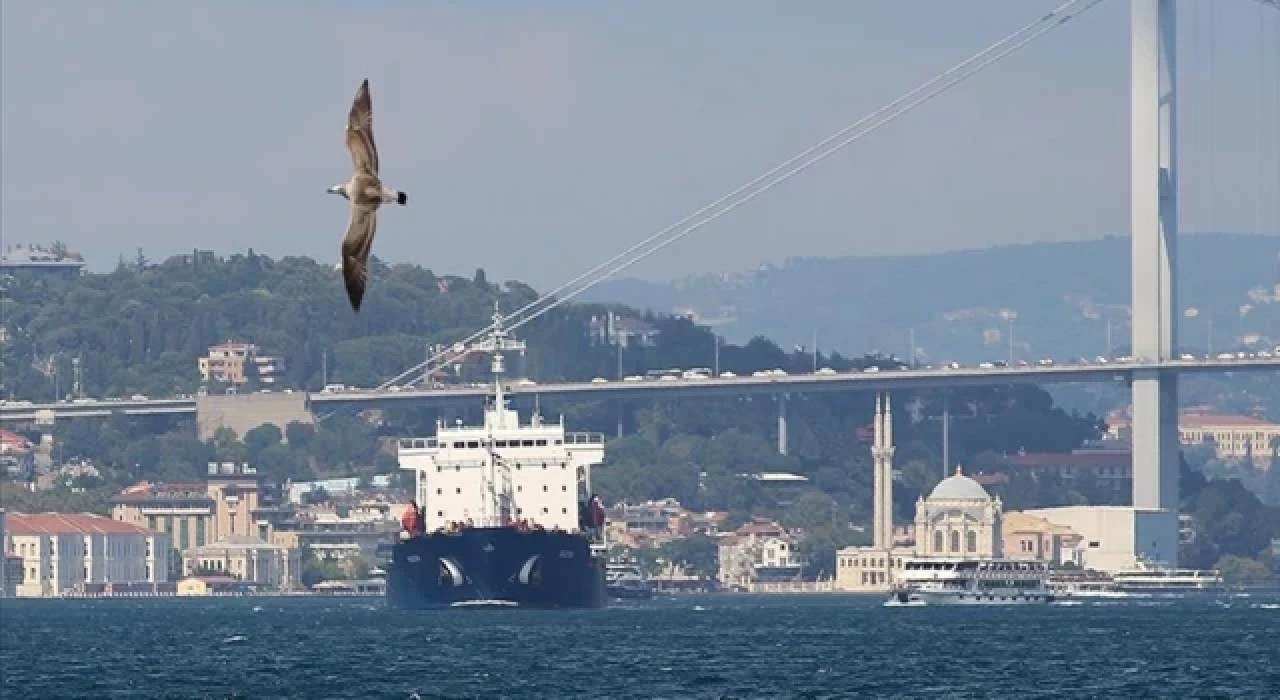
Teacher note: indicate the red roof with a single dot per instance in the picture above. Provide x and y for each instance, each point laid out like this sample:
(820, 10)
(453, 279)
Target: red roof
(69, 524)
(14, 441)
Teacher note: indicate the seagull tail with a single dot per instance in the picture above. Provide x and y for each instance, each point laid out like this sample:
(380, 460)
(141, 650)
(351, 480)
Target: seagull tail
(402, 198)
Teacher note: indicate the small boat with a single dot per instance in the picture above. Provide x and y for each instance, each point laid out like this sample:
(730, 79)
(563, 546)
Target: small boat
(626, 582)
(484, 603)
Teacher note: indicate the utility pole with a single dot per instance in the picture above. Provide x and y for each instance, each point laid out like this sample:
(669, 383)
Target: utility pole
(1010, 342)
(815, 350)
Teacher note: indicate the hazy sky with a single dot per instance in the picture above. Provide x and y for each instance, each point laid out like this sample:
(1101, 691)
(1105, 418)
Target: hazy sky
(538, 138)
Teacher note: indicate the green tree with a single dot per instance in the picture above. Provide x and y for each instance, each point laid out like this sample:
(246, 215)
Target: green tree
(696, 554)
(1243, 571)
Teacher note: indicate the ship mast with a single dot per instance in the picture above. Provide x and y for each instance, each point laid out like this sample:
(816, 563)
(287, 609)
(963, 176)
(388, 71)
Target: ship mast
(497, 342)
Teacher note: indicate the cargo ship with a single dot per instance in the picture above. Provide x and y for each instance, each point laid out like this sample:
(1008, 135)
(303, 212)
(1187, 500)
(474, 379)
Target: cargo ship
(505, 514)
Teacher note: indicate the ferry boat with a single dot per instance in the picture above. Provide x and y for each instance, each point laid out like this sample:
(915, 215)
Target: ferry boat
(506, 516)
(1084, 583)
(970, 581)
(1155, 578)
(626, 582)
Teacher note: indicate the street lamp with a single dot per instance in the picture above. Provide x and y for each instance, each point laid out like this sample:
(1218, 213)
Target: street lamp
(1009, 315)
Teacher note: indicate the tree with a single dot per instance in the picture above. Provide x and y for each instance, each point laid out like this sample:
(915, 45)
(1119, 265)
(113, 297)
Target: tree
(696, 554)
(1243, 571)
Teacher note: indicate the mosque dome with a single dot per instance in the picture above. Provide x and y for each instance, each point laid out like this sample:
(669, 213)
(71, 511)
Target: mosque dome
(959, 487)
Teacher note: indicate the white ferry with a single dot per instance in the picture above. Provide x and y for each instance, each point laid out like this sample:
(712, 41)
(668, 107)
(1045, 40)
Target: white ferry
(1071, 585)
(955, 581)
(626, 581)
(1151, 577)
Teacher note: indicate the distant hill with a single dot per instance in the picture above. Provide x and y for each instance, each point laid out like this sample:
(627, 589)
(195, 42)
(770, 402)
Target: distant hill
(1063, 294)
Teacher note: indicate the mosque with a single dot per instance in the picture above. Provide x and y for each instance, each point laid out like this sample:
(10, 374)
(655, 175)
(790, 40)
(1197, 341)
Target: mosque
(958, 519)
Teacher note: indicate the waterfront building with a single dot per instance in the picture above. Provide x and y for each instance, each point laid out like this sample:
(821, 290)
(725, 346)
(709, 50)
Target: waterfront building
(872, 569)
(246, 559)
(62, 553)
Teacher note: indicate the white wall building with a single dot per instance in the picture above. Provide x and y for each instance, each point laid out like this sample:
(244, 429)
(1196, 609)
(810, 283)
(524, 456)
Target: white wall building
(1114, 537)
(758, 552)
(61, 552)
(247, 559)
(959, 519)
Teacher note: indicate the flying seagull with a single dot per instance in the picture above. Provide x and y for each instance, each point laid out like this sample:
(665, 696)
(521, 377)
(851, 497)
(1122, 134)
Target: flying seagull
(366, 193)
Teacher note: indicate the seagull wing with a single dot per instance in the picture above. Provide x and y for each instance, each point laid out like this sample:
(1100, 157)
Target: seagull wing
(355, 251)
(364, 153)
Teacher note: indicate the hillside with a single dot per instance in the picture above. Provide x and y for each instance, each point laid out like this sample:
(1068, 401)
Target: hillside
(1063, 294)
(142, 327)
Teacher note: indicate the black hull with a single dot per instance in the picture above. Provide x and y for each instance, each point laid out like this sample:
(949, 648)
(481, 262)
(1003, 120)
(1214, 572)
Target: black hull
(528, 569)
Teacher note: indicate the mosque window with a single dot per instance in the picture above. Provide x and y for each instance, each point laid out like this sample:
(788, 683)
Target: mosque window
(972, 541)
(937, 541)
(955, 541)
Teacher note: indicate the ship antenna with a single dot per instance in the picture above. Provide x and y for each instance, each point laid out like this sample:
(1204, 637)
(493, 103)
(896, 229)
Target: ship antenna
(499, 341)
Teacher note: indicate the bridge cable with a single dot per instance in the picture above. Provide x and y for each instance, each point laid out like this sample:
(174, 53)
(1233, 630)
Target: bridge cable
(863, 127)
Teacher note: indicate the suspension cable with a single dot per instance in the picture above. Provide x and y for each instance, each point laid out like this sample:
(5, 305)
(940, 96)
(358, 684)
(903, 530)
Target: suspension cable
(926, 92)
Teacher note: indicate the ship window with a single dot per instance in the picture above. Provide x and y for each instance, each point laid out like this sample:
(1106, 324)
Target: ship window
(564, 511)
(439, 469)
(439, 513)
(473, 444)
(457, 491)
(439, 492)
(541, 443)
(544, 465)
(499, 443)
(458, 468)
(458, 445)
(564, 488)
(559, 442)
(544, 511)
(519, 488)
(526, 443)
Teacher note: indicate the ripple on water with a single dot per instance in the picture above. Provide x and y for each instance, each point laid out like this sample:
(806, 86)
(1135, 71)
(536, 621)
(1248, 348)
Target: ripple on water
(721, 647)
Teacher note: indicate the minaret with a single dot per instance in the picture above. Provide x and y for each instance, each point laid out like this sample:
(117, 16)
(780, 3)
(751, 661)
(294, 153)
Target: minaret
(878, 535)
(886, 467)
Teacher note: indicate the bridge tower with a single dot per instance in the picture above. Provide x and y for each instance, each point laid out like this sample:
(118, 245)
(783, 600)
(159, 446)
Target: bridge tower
(1154, 231)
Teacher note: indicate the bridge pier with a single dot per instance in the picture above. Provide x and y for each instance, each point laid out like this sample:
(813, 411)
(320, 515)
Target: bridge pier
(782, 424)
(1154, 222)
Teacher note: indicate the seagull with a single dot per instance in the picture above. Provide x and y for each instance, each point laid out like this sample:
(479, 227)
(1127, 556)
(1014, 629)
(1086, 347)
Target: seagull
(366, 193)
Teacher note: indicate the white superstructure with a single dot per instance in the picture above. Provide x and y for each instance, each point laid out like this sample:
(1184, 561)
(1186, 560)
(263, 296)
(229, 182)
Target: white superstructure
(502, 471)
(957, 581)
(1149, 577)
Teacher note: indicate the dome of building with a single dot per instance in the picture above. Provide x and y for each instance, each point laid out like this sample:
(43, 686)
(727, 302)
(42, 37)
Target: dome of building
(959, 487)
